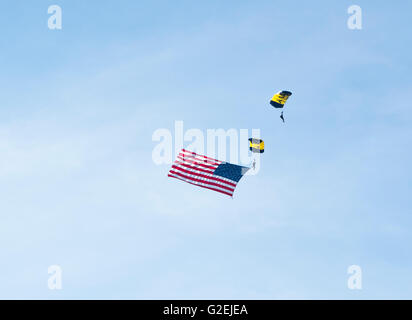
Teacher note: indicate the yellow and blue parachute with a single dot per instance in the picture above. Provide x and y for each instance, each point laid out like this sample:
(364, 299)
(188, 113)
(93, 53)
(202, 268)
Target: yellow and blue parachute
(280, 98)
(256, 145)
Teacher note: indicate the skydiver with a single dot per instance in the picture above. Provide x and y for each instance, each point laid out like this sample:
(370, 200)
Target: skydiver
(281, 116)
(254, 164)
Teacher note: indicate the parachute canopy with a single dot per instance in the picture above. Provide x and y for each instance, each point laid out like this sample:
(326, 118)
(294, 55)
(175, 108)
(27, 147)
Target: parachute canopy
(256, 145)
(280, 98)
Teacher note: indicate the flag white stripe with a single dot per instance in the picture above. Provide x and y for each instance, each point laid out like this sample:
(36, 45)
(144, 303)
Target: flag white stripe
(198, 158)
(203, 180)
(201, 184)
(226, 182)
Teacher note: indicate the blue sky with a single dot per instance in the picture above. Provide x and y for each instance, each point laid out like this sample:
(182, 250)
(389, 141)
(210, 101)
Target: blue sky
(79, 188)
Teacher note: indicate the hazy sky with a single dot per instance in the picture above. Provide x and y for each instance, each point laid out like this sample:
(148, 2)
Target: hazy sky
(79, 188)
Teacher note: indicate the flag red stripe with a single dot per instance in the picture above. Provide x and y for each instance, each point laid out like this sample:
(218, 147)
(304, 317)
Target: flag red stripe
(180, 163)
(204, 176)
(208, 166)
(229, 194)
(199, 155)
(200, 158)
(201, 181)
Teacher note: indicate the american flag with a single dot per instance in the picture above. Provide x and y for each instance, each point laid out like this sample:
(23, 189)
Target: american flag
(207, 172)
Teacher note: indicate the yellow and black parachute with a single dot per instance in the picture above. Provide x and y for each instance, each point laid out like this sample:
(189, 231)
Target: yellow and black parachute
(256, 145)
(280, 98)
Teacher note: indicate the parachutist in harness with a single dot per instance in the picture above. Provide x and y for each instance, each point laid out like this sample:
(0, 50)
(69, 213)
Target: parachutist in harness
(254, 164)
(281, 116)
(279, 100)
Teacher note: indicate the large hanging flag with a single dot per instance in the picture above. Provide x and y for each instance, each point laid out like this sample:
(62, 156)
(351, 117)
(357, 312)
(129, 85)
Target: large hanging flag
(207, 172)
